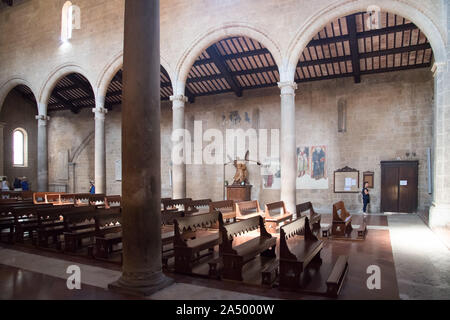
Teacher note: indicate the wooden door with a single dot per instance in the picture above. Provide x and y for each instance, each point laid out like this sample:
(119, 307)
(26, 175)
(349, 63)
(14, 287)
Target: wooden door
(399, 186)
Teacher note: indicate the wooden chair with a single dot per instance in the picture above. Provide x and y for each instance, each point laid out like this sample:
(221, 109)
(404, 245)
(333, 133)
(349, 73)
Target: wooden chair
(342, 221)
(314, 218)
(188, 251)
(226, 207)
(296, 258)
(195, 207)
(275, 214)
(248, 209)
(234, 258)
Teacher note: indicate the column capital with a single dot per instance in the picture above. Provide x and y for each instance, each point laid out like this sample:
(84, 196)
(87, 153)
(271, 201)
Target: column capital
(287, 87)
(179, 97)
(438, 67)
(43, 118)
(100, 112)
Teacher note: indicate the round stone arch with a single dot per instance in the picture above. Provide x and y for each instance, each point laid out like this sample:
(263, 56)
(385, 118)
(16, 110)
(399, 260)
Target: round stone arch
(53, 78)
(213, 35)
(342, 8)
(9, 85)
(111, 69)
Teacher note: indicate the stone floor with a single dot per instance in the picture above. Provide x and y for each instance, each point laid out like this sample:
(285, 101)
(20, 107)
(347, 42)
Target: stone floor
(415, 265)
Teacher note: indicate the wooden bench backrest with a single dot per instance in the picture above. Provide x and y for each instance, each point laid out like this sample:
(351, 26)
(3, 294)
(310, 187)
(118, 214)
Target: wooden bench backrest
(41, 197)
(107, 219)
(194, 205)
(270, 207)
(113, 201)
(53, 198)
(28, 211)
(247, 207)
(79, 215)
(300, 208)
(299, 227)
(178, 203)
(339, 212)
(82, 198)
(67, 198)
(225, 204)
(168, 217)
(97, 199)
(191, 224)
(230, 231)
(51, 213)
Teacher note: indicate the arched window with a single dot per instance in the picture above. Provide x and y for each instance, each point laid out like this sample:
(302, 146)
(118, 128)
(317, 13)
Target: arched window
(71, 19)
(20, 148)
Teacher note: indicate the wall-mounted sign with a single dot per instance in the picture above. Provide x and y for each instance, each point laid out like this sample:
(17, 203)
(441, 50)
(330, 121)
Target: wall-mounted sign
(403, 182)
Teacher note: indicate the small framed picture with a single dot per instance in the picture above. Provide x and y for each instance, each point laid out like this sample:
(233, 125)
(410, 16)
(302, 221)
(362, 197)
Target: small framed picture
(368, 177)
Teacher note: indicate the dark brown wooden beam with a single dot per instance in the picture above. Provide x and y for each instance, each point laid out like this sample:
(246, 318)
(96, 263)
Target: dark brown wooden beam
(354, 50)
(220, 63)
(418, 47)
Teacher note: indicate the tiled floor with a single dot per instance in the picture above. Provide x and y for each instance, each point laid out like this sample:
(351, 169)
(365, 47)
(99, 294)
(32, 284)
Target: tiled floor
(414, 265)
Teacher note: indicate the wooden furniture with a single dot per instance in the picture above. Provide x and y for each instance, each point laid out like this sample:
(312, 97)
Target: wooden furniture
(174, 205)
(302, 252)
(113, 201)
(195, 207)
(234, 258)
(342, 221)
(239, 193)
(226, 207)
(25, 221)
(314, 218)
(41, 197)
(275, 214)
(108, 231)
(248, 209)
(79, 224)
(82, 199)
(188, 251)
(97, 200)
(399, 186)
(337, 276)
(50, 224)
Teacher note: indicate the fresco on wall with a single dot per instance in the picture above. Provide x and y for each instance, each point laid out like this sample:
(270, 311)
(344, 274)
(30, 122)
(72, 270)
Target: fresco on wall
(312, 168)
(271, 173)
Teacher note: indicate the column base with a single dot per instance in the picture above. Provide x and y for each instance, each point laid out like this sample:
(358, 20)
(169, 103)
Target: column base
(439, 216)
(141, 284)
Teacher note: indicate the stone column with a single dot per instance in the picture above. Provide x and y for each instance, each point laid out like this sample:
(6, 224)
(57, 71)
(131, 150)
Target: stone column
(2, 150)
(141, 152)
(440, 209)
(288, 145)
(42, 154)
(100, 146)
(178, 169)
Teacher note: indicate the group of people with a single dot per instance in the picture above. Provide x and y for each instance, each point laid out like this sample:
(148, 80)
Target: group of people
(20, 184)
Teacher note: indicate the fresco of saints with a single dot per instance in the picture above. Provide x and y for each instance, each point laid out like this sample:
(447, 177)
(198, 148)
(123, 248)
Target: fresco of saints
(318, 163)
(302, 161)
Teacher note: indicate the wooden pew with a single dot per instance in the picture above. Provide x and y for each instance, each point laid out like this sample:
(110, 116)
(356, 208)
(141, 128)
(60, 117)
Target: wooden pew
(195, 207)
(113, 201)
(275, 214)
(314, 218)
(226, 207)
(108, 231)
(294, 259)
(26, 221)
(337, 276)
(342, 221)
(53, 198)
(248, 209)
(79, 224)
(174, 205)
(41, 197)
(188, 251)
(97, 200)
(82, 199)
(50, 224)
(234, 258)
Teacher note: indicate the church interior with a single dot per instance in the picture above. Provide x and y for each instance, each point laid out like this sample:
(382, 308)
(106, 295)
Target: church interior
(224, 150)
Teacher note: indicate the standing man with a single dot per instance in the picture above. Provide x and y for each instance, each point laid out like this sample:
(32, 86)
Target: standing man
(92, 188)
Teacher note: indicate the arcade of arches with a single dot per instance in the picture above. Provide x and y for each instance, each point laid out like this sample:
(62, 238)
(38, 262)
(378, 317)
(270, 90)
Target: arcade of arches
(336, 94)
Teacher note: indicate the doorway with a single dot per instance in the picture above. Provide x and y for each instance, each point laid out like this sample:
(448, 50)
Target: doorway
(399, 186)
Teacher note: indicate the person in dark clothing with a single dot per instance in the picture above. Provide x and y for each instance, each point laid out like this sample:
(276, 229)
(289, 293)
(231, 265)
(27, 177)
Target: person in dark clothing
(25, 185)
(365, 196)
(17, 183)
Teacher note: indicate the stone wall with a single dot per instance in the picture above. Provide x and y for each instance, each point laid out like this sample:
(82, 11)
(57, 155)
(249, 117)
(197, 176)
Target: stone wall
(19, 113)
(388, 115)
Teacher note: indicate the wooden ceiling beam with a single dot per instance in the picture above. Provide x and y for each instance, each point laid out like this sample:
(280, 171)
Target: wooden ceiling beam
(354, 49)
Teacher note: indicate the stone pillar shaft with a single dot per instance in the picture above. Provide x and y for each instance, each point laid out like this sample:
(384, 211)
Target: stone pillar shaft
(288, 145)
(141, 152)
(2, 150)
(440, 210)
(178, 170)
(42, 154)
(100, 146)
